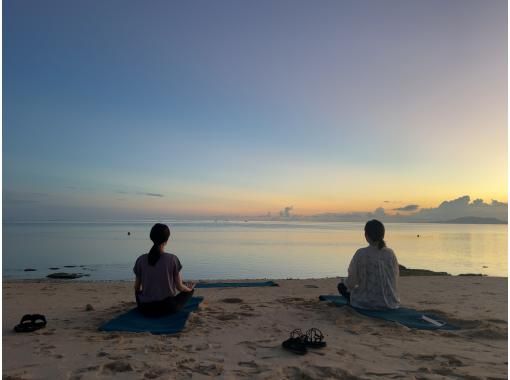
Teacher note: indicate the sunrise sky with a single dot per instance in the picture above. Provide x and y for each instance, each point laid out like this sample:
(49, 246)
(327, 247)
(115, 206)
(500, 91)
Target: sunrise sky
(124, 109)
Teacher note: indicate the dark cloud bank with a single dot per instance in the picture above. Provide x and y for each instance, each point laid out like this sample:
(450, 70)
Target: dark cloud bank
(407, 208)
(141, 193)
(462, 207)
(152, 195)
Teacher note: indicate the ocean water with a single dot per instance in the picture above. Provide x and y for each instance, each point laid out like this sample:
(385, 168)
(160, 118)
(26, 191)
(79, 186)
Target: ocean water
(228, 250)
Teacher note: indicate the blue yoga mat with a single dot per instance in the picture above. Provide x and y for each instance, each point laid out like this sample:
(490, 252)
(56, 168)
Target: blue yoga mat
(134, 321)
(235, 284)
(407, 317)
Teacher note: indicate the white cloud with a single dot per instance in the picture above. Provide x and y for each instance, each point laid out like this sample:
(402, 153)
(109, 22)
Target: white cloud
(286, 212)
(463, 207)
(407, 208)
(447, 210)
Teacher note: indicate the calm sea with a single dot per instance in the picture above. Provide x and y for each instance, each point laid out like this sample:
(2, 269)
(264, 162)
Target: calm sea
(228, 250)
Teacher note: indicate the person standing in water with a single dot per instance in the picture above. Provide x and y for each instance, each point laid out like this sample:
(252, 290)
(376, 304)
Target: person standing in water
(159, 289)
(372, 281)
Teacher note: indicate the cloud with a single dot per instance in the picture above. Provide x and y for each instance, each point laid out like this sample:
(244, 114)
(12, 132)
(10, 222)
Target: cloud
(379, 212)
(152, 194)
(147, 194)
(286, 212)
(12, 198)
(358, 216)
(463, 207)
(407, 208)
(447, 210)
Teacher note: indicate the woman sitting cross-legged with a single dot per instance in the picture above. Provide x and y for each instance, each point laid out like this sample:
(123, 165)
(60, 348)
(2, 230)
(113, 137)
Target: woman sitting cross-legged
(373, 273)
(159, 289)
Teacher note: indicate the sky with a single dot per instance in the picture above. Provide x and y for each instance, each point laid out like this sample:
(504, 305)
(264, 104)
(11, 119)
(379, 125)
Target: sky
(128, 109)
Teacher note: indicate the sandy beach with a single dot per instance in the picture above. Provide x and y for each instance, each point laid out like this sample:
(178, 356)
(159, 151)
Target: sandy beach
(237, 333)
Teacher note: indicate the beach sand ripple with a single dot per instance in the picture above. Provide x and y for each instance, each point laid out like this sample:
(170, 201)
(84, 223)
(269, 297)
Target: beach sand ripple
(237, 333)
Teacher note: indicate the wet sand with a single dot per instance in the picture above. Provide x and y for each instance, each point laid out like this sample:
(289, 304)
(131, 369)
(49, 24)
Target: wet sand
(237, 333)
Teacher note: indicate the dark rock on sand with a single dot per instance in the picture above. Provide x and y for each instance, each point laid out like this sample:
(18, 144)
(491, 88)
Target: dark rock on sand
(472, 274)
(232, 300)
(89, 307)
(54, 268)
(29, 270)
(66, 276)
(117, 366)
(419, 272)
(70, 266)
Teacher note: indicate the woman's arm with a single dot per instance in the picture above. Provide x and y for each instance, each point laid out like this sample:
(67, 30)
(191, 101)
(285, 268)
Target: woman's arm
(138, 284)
(181, 286)
(352, 280)
(396, 269)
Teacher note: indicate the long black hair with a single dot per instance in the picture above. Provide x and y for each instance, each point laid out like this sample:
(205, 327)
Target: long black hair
(375, 232)
(159, 235)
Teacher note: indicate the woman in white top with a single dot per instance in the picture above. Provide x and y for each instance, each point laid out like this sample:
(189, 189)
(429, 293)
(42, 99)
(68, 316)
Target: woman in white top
(373, 273)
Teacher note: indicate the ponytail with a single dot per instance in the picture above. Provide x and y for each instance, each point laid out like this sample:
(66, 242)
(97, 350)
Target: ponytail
(381, 244)
(154, 255)
(159, 235)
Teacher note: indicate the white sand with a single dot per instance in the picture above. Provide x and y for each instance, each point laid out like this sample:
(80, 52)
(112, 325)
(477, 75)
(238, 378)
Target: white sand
(242, 339)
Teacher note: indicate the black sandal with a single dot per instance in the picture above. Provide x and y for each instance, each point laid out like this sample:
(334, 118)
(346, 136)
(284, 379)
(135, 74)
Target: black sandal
(295, 343)
(30, 322)
(314, 338)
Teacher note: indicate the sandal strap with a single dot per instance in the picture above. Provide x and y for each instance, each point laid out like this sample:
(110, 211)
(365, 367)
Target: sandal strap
(296, 334)
(36, 317)
(25, 327)
(26, 318)
(314, 335)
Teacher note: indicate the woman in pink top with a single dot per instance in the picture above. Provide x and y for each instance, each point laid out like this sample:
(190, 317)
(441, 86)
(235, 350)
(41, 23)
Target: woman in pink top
(159, 288)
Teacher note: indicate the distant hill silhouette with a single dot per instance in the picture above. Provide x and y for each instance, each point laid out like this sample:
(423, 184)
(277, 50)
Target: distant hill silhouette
(473, 220)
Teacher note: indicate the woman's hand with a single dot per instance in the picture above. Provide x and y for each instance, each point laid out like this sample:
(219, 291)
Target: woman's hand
(184, 286)
(138, 284)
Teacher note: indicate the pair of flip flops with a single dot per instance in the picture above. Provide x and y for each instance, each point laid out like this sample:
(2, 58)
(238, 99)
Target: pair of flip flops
(31, 322)
(299, 343)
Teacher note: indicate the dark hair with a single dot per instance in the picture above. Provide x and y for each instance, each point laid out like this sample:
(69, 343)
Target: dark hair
(159, 235)
(375, 232)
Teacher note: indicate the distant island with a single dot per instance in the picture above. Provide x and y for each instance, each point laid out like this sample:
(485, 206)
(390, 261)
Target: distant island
(473, 220)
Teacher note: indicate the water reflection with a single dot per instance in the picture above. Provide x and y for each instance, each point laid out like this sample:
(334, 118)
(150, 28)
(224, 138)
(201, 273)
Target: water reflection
(250, 250)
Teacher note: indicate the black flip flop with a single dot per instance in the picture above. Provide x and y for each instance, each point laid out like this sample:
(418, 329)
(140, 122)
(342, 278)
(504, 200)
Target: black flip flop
(39, 321)
(314, 338)
(30, 322)
(295, 343)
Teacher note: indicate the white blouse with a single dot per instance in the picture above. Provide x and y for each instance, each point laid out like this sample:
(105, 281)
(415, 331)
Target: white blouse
(373, 279)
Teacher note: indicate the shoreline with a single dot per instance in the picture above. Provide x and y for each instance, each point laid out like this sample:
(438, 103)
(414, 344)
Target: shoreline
(237, 333)
(244, 220)
(338, 278)
(404, 272)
